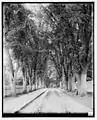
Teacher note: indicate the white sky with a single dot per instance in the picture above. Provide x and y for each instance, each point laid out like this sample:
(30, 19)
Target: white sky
(34, 7)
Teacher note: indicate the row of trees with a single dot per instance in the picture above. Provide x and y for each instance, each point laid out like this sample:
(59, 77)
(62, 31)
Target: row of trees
(63, 34)
(21, 37)
(72, 42)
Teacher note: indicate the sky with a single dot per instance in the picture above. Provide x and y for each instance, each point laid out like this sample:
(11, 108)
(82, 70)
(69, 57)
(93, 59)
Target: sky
(39, 16)
(34, 7)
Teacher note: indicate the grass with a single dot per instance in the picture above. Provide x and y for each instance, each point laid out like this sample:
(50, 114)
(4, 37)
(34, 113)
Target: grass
(85, 100)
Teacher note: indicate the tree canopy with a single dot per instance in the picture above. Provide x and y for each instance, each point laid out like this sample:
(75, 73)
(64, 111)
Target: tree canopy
(62, 33)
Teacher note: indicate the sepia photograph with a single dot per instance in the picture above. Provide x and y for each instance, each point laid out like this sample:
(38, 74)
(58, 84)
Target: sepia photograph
(48, 59)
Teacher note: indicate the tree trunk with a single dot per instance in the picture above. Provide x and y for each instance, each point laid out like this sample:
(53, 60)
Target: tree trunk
(64, 80)
(33, 86)
(43, 81)
(63, 77)
(13, 74)
(42, 84)
(73, 82)
(30, 84)
(36, 84)
(13, 88)
(39, 82)
(24, 84)
(60, 84)
(83, 85)
(70, 84)
(13, 85)
(78, 82)
(34, 80)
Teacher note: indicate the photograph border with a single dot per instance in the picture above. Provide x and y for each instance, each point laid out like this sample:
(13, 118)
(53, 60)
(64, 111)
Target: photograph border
(93, 76)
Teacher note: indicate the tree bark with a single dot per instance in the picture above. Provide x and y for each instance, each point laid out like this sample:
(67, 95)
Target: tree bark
(78, 82)
(43, 80)
(34, 80)
(40, 83)
(43, 84)
(70, 84)
(60, 84)
(24, 84)
(82, 82)
(64, 79)
(83, 85)
(13, 73)
(36, 83)
(12, 85)
(30, 84)
(73, 82)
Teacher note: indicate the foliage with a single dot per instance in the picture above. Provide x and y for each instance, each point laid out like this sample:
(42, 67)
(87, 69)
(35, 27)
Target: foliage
(63, 34)
(73, 33)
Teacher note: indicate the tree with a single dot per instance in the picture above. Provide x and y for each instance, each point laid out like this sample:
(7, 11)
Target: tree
(82, 22)
(63, 33)
(73, 40)
(16, 20)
